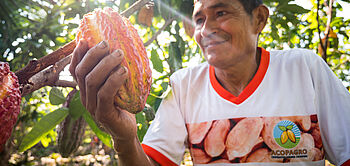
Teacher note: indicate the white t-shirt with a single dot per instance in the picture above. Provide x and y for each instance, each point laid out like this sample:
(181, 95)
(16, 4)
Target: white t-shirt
(294, 111)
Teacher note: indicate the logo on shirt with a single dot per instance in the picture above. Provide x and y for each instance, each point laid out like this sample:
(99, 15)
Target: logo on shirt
(286, 134)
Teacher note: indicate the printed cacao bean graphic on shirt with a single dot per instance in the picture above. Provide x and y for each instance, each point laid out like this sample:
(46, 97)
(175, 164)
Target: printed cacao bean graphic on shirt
(256, 139)
(287, 134)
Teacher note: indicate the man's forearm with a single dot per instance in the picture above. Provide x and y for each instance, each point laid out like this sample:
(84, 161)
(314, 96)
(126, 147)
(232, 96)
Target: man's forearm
(130, 153)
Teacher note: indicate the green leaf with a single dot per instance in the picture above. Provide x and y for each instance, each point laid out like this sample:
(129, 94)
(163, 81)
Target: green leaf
(28, 96)
(142, 125)
(156, 61)
(56, 96)
(41, 128)
(149, 113)
(290, 127)
(186, 7)
(296, 9)
(164, 86)
(104, 137)
(45, 141)
(175, 57)
(282, 128)
(76, 108)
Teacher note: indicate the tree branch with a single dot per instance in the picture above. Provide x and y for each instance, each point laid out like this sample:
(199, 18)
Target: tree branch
(47, 77)
(318, 24)
(167, 23)
(35, 66)
(64, 83)
(342, 52)
(324, 45)
(135, 7)
(328, 28)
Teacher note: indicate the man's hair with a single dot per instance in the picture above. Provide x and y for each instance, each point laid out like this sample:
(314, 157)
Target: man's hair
(249, 5)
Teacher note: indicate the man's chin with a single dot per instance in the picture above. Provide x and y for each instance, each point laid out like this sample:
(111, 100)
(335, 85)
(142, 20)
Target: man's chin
(220, 61)
(214, 60)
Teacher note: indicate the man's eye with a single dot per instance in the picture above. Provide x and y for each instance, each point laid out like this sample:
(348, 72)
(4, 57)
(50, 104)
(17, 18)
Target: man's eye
(199, 21)
(220, 13)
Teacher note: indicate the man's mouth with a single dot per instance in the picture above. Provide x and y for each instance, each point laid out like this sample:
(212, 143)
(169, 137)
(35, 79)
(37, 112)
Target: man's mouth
(213, 41)
(213, 44)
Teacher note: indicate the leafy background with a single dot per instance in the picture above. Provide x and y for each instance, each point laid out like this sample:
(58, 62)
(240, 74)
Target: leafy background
(34, 28)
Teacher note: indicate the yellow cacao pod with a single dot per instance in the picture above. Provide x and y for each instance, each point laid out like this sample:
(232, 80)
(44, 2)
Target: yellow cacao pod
(284, 137)
(291, 136)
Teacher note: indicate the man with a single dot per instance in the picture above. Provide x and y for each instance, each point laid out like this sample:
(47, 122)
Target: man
(245, 105)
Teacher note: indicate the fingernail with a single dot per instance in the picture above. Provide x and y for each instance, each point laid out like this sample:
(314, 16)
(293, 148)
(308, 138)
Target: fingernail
(121, 70)
(81, 42)
(117, 53)
(102, 44)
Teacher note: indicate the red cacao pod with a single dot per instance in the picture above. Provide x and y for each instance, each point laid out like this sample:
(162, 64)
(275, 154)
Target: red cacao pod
(106, 24)
(10, 100)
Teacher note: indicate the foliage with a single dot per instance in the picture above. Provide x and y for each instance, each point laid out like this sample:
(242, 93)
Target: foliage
(295, 27)
(41, 128)
(32, 29)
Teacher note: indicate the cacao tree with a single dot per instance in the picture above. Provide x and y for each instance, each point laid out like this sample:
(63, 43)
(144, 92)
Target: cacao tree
(32, 31)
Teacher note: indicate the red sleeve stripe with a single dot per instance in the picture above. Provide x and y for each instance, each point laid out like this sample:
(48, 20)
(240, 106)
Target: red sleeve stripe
(347, 163)
(157, 156)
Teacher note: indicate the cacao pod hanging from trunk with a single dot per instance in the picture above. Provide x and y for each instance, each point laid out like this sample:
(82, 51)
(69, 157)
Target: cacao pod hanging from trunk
(145, 16)
(106, 24)
(10, 100)
(70, 134)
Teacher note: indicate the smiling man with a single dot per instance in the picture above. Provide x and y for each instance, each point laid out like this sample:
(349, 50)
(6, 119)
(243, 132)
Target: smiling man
(228, 35)
(244, 105)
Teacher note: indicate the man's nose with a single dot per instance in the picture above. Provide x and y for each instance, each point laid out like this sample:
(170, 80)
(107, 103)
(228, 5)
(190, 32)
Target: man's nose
(209, 27)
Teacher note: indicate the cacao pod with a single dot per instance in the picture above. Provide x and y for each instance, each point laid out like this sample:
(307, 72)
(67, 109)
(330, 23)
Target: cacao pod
(70, 134)
(145, 16)
(284, 137)
(189, 28)
(10, 100)
(106, 24)
(291, 136)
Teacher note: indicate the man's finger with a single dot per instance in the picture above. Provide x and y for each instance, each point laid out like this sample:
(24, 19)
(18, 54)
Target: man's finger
(110, 88)
(99, 75)
(78, 54)
(106, 94)
(89, 61)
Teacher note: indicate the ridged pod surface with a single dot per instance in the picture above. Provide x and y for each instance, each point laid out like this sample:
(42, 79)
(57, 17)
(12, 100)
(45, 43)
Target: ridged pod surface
(106, 24)
(70, 134)
(10, 100)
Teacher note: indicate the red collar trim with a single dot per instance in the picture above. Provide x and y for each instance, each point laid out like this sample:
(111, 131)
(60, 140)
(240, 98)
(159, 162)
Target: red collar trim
(251, 87)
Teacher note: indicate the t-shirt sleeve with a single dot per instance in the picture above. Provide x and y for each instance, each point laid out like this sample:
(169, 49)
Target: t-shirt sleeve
(165, 140)
(332, 101)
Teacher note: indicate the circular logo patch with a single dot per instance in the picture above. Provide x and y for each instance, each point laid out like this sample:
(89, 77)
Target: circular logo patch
(286, 134)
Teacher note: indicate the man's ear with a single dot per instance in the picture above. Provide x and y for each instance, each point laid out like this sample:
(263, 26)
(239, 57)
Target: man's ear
(260, 16)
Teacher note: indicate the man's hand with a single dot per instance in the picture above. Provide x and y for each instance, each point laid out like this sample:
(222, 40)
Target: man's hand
(99, 76)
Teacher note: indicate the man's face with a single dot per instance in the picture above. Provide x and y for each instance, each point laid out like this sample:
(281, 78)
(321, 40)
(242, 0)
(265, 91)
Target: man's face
(224, 31)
